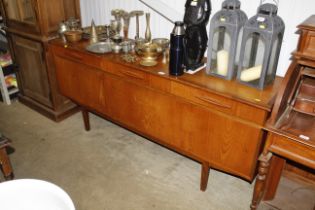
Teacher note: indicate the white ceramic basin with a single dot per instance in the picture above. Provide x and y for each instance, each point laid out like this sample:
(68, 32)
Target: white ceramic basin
(31, 194)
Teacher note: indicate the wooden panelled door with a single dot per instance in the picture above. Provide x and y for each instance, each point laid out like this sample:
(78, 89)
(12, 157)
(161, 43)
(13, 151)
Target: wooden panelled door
(32, 69)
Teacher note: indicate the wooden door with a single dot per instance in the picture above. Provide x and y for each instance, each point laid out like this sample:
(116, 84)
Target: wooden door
(234, 145)
(38, 17)
(21, 15)
(54, 12)
(159, 116)
(81, 83)
(33, 77)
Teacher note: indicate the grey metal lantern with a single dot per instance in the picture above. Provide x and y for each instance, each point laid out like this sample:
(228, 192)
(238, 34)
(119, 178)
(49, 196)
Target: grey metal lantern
(260, 49)
(225, 39)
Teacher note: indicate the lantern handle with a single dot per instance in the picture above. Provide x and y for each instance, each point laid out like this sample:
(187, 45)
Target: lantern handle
(235, 3)
(276, 2)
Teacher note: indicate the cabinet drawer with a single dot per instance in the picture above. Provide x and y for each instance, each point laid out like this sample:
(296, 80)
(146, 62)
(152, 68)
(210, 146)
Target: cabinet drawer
(128, 73)
(204, 98)
(251, 113)
(300, 152)
(307, 43)
(80, 57)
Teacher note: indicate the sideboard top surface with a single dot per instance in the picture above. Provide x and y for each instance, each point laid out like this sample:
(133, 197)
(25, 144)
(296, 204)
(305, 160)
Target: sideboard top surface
(231, 89)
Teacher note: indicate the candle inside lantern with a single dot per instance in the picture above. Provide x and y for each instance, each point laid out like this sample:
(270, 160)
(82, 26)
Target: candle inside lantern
(222, 62)
(251, 73)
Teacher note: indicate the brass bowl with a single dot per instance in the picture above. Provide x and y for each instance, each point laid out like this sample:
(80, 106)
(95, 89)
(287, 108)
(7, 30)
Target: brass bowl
(73, 36)
(148, 51)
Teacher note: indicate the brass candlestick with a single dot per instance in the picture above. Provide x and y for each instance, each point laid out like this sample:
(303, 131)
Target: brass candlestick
(126, 19)
(148, 30)
(137, 13)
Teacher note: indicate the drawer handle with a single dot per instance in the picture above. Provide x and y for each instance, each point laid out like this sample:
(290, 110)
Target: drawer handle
(214, 102)
(134, 75)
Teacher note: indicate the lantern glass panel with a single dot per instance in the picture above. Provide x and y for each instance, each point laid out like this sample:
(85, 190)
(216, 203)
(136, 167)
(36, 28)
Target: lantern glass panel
(272, 68)
(238, 49)
(221, 44)
(253, 59)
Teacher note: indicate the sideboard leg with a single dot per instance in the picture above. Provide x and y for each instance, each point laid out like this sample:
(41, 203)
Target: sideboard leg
(260, 180)
(204, 175)
(86, 119)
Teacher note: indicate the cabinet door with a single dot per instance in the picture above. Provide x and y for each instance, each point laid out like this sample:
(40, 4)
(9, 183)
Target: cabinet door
(21, 14)
(159, 116)
(81, 83)
(54, 12)
(32, 69)
(234, 145)
(38, 16)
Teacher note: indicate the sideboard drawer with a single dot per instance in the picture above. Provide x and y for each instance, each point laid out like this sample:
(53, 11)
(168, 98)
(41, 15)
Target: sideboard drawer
(79, 57)
(204, 98)
(127, 73)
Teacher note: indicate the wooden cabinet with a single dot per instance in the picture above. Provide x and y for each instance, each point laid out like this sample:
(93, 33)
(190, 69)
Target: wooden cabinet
(214, 121)
(291, 126)
(30, 25)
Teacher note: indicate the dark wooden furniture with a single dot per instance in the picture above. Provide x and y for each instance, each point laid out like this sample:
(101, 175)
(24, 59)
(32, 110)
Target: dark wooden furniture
(291, 127)
(30, 25)
(4, 158)
(216, 122)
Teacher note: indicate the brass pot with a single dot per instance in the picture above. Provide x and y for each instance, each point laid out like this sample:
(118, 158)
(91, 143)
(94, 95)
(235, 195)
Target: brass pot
(73, 35)
(148, 51)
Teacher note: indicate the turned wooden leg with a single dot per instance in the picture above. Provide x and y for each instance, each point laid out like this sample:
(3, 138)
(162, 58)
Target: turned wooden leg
(6, 165)
(86, 119)
(260, 180)
(204, 176)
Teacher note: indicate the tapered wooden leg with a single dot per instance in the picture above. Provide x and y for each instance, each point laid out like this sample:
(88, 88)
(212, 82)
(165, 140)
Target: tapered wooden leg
(86, 119)
(204, 176)
(5, 164)
(260, 180)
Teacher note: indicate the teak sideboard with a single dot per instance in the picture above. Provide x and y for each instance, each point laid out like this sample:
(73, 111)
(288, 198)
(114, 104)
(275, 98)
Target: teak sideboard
(216, 122)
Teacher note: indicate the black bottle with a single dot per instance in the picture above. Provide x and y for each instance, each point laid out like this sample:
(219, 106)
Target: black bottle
(196, 17)
(177, 49)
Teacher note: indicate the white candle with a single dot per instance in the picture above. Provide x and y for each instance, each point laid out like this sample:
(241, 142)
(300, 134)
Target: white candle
(251, 73)
(222, 62)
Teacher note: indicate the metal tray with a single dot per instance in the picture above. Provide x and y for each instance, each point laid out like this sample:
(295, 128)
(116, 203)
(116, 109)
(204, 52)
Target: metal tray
(99, 48)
